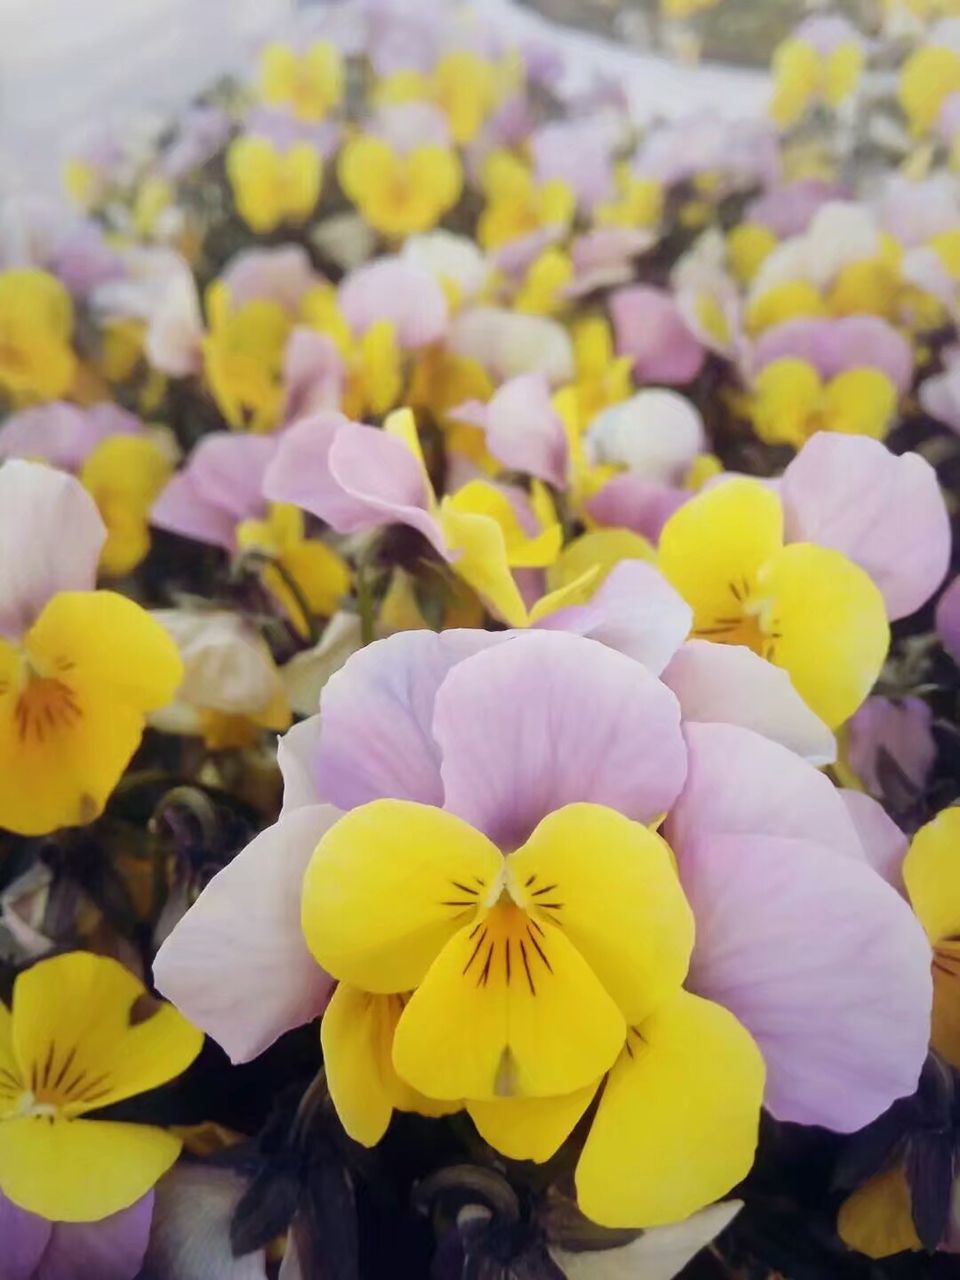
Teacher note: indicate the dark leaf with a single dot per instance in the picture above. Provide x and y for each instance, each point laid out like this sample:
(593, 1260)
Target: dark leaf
(266, 1208)
(565, 1225)
(930, 1169)
(327, 1221)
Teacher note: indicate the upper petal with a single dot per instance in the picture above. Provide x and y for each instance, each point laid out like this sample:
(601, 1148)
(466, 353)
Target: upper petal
(237, 964)
(886, 513)
(741, 783)
(550, 719)
(824, 964)
(51, 534)
(733, 685)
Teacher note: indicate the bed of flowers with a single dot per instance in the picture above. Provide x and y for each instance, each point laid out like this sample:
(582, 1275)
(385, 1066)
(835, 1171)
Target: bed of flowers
(479, 709)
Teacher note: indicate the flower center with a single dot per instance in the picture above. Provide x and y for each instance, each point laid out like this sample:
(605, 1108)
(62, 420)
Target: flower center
(748, 621)
(45, 706)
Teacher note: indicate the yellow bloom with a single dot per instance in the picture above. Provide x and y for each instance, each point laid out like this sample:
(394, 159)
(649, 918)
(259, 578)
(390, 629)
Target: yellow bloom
(877, 1219)
(927, 78)
(373, 362)
(321, 576)
(272, 186)
(532, 975)
(804, 77)
(541, 290)
(805, 608)
(517, 205)
(68, 1045)
(748, 245)
(790, 402)
(788, 301)
(602, 377)
(124, 475)
(400, 194)
(309, 85)
(37, 361)
(464, 86)
(154, 196)
(243, 359)
(638, 202)
(931, 873)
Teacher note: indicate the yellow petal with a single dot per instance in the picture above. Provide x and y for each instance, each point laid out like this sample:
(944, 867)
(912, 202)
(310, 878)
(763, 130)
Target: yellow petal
(842, 72)
(612, 886)
(523, 550)
(602, 550)
(125, 475)
(785, 401)
(389, 884)
(81, 1170)
(74, 1039)
(717, 542)
(928, 76)
(860, 402)
(254, 170)
(357, 1034)
(677, 1123)
(480, 559)
(787, 301)
(508, 1009)
(321, 574)
(530, 1128)
(796, 69)
(877, 1218)
(301, 177)
(828, 627)
(945, 1026)
(931, 873)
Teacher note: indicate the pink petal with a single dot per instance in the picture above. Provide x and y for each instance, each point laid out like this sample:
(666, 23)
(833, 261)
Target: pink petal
(63, 434)
(834, 346)
(400, 291)
(375, 738)
(296, 752)
(824, 964)
(635, 611)
(630, 501)
(228, 471)
(550, 719)
(649, 327)
(901, 731)
(24, 1237)
(739, 783)
(948, 619)
(884, 844)
(280, 273)
(730, 684)
(50, 539)
(111, 1249)
(236, 964)
(940, 397)
(525, 432)
(182, 509)
(884, 512)
(313, 374)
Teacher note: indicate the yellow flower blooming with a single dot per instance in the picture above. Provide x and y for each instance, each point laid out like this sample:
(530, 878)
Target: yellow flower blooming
(602, 377)
(788, 301)
(931, 873)
(805, 608)
(804, 77)
(927, 78)
(124, 475)
(517, 205)
(37, 361)
(541, 290)
(303, 567)
(309, 84)
(637, 203)
(790, 402)
(271, 186)
(154, 196)
(512, 984)
(592, 556)
(373, 361)
(243, 358)
(69, 1045)
(462, 85)
(748, 245)
(400, 194)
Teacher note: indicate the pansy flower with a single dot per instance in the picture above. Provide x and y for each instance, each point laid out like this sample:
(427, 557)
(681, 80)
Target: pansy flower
(820, 63)
(273, 185)
(73, 1042)
(37, 360)
(308, 84)
(462, 85)
(79, 668)
(483, 890)
(399, 193)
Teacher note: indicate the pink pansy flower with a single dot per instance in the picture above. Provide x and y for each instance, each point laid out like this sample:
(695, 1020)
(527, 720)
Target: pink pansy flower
(220, 486)
(948, 620)
(281, 274)
(633, 502)
(916, 210)
(833, 346)
(523, 429)
(827, 32)
(744, 152)
(789, 209)
(900, 732)
(158, 288)
(649, 327)
(764, 846)
(604, 257)
(111, 1249)
(64, 434)
(400, 291)
(578, 153)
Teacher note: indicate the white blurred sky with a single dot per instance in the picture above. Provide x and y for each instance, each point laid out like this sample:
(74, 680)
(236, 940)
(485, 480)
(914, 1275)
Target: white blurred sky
(67, 63)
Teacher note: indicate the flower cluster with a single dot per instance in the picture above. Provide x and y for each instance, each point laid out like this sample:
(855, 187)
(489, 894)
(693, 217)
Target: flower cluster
(573, 495)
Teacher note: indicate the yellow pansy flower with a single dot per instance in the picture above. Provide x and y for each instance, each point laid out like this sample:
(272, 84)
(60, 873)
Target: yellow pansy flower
(373, 362)
(927, 78)
(790, 300)
(602, 377)
(462, 85)
(400, 193)
(748, 245)
(309, 84)
(790, 402)
(303, 572)
(243, 358)
(517, 205)
(271, 186)
(125, 475)
(805, 608)
(37, 361)
(541, 290)
(69, 1045)
(637, 203)
(804, 76)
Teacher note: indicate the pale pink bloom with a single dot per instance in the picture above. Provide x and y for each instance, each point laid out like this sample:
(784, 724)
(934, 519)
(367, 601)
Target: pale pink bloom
(523, 429)
(649, 327)
(400, 291)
